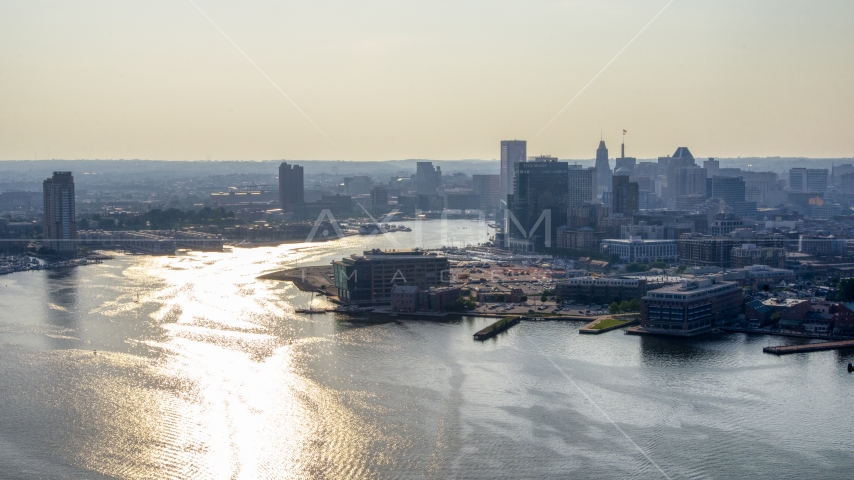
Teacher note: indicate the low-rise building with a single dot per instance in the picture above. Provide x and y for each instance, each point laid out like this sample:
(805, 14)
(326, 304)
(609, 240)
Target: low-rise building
(607, 290)
(636, 249)
(786, 313)
(691, 307)
(760, 276)
(751, 254)
(405, 298)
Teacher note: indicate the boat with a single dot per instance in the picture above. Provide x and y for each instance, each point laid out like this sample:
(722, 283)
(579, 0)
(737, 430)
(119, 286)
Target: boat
(850, 368)
(370, 229)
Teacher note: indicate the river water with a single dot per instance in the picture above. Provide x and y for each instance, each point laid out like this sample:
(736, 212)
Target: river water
(202, 371)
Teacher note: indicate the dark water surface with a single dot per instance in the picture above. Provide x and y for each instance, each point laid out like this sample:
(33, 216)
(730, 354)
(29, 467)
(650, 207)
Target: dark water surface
(212, 375)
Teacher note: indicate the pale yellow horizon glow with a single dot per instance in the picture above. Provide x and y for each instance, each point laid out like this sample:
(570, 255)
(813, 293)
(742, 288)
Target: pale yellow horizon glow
(416, 79)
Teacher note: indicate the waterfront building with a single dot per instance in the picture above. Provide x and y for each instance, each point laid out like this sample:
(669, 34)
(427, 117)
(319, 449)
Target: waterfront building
(793, 311)
(538, 204)
(405, 298)
(489, 189)
(636, 249)
(691, 307)
(716, 251)
(625, 196)
(462, 201)
(369, 278)
(512, 152)
(427, 178)
(291, 186)
(60, 217)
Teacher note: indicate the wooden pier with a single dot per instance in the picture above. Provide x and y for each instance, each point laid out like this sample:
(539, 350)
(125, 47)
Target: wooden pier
(808, 347)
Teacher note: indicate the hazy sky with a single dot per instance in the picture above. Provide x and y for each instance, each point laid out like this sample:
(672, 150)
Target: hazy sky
(424, 79)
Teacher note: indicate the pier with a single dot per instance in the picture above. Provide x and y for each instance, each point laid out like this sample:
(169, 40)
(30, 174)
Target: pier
(808, 347)
(497, 327)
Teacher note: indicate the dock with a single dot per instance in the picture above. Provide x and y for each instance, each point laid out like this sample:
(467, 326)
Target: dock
(607, 324)
(497, 327)
(808, 347)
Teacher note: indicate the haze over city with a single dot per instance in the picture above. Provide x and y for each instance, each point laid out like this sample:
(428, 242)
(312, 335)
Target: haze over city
(436, 80)
(480, 240)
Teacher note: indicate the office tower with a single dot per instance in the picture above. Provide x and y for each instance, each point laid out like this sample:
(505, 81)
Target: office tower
(539, 187)
(379, 196)
(358, 185)
(798, 179)
(690, 180)
(682, 158)
(580, 182)
(427, 178)
(512, 152)
(291, 186)
(603, 169)
(489, 189)
(817, 180)
(60, 220)
(625, 196)
(729, 189)
(712, 167)
(625, 165)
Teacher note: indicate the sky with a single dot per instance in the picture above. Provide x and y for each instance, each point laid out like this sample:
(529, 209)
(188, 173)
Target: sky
(437, 79)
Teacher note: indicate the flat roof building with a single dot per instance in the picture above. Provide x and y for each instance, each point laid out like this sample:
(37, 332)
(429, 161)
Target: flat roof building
(371, 277)
(636, 249)
(691, 307)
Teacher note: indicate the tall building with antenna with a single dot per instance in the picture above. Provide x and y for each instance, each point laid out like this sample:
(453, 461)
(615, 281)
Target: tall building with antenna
(603, 170)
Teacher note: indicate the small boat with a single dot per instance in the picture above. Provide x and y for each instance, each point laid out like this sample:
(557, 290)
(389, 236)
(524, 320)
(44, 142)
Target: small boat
(850, 368)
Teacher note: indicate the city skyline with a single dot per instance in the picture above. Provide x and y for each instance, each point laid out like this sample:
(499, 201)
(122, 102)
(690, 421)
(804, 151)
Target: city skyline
(182, 83)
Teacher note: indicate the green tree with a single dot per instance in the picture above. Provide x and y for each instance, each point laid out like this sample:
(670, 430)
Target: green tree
(846, 290)
(624, 306)
(634, 305)
(636, 267)
(544, 298)
(660, 265)
(614, 308)
(681, 269)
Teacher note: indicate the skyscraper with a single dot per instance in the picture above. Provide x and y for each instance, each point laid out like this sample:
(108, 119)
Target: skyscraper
(603, 169)
(580, 181)
(625, 196)
(488, 187)
(729, 189)
(60, 220)
(427, 178)
(512, 152)
(541, 195)
(291, 186)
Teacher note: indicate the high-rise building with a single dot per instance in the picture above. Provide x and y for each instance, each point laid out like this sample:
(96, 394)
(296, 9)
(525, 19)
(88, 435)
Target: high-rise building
(60, 218)
(603, 169)
(682, 158)
(808, 179)
(291, 186)
(625, 196)
(489, 189)
(690, 180)
(580, 181)
(729, 189)
(427, 178)
(817, 180)
(712, 167)
(798, 179)
(379, 196)
(512, 152)
(539, 199)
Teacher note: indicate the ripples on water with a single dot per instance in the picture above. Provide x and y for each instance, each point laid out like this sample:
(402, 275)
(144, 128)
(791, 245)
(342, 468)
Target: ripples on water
(211, 375)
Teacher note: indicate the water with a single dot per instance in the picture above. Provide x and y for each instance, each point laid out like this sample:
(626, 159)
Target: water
(212, 375)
